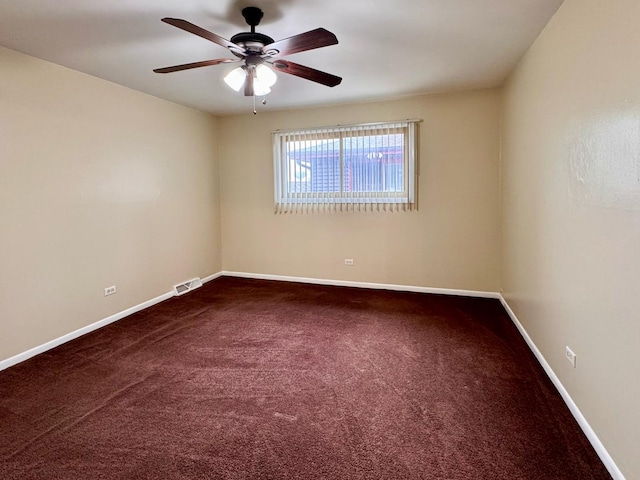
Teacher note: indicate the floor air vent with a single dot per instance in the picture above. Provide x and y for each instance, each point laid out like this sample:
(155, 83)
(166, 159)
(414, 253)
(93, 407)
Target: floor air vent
(187, 286)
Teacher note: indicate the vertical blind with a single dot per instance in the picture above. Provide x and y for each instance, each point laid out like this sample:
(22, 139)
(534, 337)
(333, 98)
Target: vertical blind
(352, 167)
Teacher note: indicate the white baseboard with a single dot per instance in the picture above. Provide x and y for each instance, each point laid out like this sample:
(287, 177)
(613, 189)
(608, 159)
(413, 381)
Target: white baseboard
(611, 466)
(212, 277)
(21, 357)
(376, 286)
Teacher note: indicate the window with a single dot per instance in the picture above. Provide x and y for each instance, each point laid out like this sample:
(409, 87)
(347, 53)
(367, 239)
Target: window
(355, 167)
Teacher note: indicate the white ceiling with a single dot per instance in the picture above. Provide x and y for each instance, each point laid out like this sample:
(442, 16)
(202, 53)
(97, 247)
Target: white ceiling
(386, 49)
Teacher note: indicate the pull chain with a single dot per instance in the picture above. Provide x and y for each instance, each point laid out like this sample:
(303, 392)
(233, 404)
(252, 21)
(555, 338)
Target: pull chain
(264, 102)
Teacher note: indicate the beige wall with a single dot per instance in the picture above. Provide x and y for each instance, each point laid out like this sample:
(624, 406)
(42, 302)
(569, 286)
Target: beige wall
(571, 210)
(451, 242)
(99, 186)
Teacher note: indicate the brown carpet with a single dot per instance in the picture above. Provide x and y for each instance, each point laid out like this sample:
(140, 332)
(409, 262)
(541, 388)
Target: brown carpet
(249, 379)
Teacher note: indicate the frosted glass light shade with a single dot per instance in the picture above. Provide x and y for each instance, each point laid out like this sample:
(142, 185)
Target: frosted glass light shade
(266, 76)
(235, 78)
(260, 88)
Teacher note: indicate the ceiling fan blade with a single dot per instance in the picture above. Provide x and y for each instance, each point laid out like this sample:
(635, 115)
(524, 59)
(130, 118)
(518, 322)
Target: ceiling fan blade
(306, 72)
(187, 66)
(248, 83)
(299, 43)
(201, 32)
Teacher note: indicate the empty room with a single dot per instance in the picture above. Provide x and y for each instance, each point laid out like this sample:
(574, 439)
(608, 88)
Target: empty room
(292, 239)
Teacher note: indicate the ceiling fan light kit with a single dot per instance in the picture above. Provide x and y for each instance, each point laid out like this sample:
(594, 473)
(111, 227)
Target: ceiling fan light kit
(260, 54)
(263, 78)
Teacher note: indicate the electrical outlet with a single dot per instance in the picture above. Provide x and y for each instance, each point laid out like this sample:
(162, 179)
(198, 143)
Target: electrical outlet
(570, 356)
(348, 261)
(109, 290)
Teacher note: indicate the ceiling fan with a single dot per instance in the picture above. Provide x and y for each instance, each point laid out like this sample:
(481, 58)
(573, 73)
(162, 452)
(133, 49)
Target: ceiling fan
(258, 52)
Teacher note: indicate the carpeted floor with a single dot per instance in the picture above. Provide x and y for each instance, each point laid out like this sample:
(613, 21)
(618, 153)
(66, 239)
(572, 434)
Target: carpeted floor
(249, 379)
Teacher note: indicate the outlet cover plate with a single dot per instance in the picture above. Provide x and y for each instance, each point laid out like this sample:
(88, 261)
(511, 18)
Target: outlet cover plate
(571, 357)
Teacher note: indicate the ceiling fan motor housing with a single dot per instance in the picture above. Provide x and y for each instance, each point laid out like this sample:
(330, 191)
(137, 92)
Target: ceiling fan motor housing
(252, 42)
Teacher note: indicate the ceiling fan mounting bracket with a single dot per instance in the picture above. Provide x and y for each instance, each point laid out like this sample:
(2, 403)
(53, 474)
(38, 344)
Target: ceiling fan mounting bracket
(252, 15)
(252, 41)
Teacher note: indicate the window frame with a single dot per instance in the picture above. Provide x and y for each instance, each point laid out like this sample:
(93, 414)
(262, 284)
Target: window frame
(287, 201)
